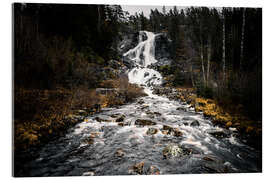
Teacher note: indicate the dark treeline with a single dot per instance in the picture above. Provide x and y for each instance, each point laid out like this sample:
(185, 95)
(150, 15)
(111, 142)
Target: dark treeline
(216, 50)
(56, 43)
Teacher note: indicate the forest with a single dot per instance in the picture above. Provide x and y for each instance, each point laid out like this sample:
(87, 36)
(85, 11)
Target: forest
(64, 52)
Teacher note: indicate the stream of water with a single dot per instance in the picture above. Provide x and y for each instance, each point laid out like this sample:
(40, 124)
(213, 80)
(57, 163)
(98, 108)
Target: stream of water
(102, 146)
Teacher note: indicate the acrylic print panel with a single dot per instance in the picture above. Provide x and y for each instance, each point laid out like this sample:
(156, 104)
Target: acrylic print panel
(111, 90)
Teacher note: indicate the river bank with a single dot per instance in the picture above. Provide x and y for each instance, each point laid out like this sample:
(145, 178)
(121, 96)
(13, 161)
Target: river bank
(152, 135)
(226, 116)
(42, 115)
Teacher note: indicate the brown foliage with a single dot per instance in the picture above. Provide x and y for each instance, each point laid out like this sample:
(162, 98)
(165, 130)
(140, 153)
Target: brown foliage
(40, 114)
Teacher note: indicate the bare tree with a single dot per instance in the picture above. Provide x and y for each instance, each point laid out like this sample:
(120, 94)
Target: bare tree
(223, 47)
(201, 53)
(242, 38)
(208, 59)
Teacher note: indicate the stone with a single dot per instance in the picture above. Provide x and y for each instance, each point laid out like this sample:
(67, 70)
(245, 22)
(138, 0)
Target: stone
(165, 127)
(157, 113)
(119, 153)
(103, 118)
(153, 170)
(181, 109)
(177, 133)
(144, 122)
(121, 124)
(195, 123)
(89, 140)
(115, 115)
(94, 134)
(171, 131)
(207, 158)
(120, 119)
(151, 131)
(140, 101)
(137, 168)
(219, 134)
(81, 113)
(228, 124)
(144, 107)
(173, 150)
(146, 74)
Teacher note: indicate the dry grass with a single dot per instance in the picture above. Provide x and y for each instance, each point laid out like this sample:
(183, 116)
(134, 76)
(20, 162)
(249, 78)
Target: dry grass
(227, 117)
(40, 114)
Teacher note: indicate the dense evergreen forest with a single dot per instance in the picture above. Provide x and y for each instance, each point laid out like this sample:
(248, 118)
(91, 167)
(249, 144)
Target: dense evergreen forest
(223, 44)
(62, 52)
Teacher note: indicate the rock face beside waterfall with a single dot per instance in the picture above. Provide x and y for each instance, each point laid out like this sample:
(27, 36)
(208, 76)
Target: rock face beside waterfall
(163, 47)
(161, 52)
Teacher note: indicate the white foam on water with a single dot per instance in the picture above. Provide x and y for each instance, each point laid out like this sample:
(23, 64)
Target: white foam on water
(233, 140)
(144, 55)
(197, 144)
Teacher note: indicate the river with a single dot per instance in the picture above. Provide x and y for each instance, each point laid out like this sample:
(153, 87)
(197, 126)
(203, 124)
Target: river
(153, 135)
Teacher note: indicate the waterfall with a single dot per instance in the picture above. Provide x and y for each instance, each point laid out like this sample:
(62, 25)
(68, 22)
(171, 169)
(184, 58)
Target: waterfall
(144, 55)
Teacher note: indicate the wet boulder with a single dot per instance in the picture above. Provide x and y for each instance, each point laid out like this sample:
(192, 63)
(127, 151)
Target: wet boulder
(219, 134)
(146, 74)
(157, 113)
(137, 168)
(104, 118)
(173, 150)
(181, 109)
(144, 107)
(120, 118)
(88, 140)
(195, 123)
(153, 170)
(119, 153)
(123, 124)
(151, 131)
(81, 113)
(140, 101)
(115, 115)
(177, 132)
(168, 130)
(94, 134)
(185, 123)
(165, 127)
(144, 122)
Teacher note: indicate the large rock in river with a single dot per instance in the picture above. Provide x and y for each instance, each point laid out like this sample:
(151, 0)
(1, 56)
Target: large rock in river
(144, 122)
(174, 150)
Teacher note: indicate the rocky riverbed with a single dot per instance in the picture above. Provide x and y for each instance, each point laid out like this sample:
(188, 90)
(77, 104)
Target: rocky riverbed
(153, 135)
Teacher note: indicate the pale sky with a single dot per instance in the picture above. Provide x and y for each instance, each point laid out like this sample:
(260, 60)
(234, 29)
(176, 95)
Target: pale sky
(146, 9)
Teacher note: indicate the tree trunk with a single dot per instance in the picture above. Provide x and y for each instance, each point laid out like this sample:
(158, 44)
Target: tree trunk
(204, 80)
(224, 49)
(192, 79)
(99, 19)
(208, 60)
(201, 55)
(242, 39)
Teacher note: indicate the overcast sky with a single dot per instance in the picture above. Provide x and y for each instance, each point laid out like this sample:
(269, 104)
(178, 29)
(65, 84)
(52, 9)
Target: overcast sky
(145, 9)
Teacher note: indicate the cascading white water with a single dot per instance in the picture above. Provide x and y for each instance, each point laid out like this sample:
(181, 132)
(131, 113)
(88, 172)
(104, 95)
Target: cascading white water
(144, 55)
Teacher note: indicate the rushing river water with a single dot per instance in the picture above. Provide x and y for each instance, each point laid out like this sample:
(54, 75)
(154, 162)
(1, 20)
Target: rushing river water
(113, 141)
